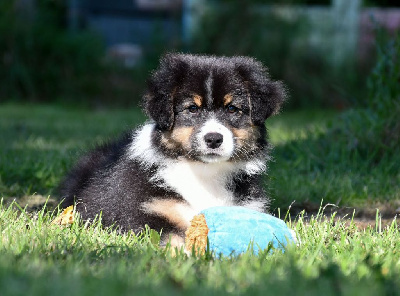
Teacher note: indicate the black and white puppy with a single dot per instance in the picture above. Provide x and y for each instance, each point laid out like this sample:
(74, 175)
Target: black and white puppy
(205, 146)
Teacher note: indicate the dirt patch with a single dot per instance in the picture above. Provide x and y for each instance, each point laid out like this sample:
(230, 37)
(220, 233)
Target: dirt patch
(363, 217)
(32, 203)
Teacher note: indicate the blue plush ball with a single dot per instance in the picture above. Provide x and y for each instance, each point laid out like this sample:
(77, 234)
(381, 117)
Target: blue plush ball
(231, 230)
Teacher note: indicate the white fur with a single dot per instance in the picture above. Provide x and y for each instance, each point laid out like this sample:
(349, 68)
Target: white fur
(256, 205)
(209, 87)
(202, 185)
(142, 149)
(254, 167)
(224, 152)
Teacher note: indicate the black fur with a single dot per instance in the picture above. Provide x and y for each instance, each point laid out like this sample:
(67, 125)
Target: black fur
(110, 181)
(243, 74)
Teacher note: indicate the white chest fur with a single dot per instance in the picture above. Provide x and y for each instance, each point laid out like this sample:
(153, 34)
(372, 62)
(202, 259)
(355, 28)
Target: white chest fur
(201, 185)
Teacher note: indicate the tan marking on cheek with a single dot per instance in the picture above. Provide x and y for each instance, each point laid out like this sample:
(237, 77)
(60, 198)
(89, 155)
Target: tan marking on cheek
(228, 99)
(198, 100)
(178, 137)
(182, 135)
(169, 209)
(246, 136)
(166, 141)
(241, 133)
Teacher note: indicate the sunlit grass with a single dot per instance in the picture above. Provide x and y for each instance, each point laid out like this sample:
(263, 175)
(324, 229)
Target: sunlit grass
(297, 125)
(39, 143)
(314, 160)
(334, 257)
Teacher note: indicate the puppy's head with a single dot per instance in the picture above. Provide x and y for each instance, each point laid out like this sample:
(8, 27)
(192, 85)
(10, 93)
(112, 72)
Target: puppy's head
(210, 108)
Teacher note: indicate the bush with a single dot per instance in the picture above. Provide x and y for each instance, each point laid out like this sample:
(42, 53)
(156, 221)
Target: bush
(357, 159)
(370, 134)
(253, 28)
(375, 128)
(40, 60)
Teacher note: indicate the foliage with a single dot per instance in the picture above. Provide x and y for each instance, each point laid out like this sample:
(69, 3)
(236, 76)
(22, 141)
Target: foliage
(256, 29)
(382, 3)
(384, 96)
(374, 129)
(335, 257)
(357, 156)
(40, 59)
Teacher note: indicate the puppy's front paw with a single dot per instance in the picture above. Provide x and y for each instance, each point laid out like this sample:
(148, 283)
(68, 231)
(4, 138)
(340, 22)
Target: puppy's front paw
(175, 243)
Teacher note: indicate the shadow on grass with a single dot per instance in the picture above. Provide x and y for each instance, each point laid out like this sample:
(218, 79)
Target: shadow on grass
(324, 167)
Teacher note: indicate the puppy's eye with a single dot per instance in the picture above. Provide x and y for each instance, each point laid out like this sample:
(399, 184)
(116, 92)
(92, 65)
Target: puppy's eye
(232, 109)
(193, 109)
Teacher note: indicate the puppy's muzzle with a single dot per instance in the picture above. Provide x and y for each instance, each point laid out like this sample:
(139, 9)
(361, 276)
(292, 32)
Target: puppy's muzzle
(213, 140)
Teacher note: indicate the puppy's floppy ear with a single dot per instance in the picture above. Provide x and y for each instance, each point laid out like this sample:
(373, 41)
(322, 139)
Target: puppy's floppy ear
(158, 102)
(266, 96)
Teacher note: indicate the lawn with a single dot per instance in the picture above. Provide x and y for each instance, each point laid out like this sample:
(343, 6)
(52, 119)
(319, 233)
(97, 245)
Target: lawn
(38, 143)
(334, 258)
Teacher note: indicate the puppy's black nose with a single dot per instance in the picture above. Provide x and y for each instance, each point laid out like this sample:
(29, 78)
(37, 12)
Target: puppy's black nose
(213, 140)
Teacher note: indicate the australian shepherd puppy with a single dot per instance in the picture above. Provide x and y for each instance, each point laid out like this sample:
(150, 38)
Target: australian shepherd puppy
(204, 146)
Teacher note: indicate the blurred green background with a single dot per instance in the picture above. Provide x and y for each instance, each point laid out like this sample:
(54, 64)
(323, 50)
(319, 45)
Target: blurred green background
(99, 53)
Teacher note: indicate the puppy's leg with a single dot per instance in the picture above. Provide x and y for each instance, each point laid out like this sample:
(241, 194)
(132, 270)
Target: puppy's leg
(176, 242)
(176, 212)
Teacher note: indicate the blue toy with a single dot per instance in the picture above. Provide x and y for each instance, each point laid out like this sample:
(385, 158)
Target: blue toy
(231, 230)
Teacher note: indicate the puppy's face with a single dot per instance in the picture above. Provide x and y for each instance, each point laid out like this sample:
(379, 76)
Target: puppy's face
(211, 109)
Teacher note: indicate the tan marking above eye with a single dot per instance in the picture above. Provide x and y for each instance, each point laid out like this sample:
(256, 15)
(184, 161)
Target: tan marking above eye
(198, 100)
(228, 99)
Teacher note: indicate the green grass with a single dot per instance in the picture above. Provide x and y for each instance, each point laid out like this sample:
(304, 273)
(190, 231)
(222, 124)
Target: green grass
(318, 159)
(39, 143)
(349, 159)
(334, 258)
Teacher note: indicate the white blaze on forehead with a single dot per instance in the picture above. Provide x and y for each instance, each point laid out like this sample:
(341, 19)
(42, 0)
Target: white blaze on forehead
(227, 147)
(209, 86)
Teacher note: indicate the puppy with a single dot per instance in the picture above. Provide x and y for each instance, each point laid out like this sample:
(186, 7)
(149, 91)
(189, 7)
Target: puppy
(205, 146)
